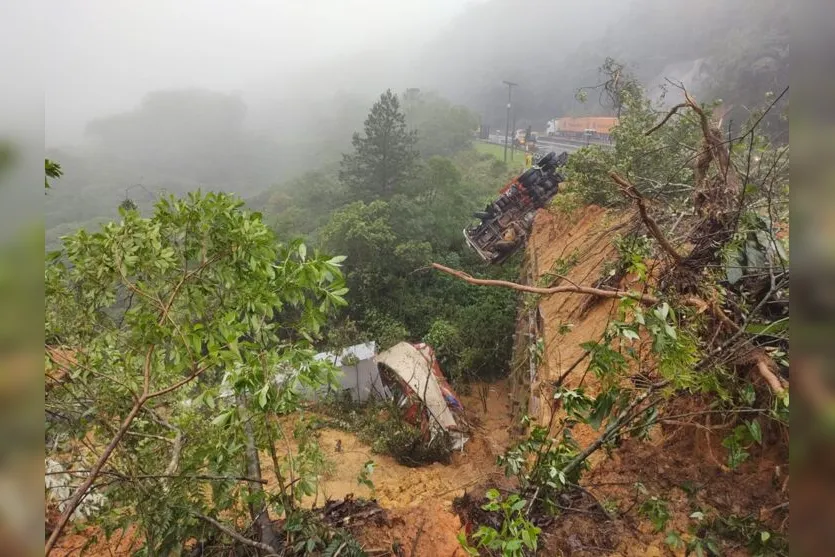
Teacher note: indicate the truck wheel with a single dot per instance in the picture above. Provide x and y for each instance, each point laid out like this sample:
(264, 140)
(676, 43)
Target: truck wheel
(547, 159)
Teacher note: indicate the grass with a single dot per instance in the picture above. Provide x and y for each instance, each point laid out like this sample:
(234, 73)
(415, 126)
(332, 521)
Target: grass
(498, 152)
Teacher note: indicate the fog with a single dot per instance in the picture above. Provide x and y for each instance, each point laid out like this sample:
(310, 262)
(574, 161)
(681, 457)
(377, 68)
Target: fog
(243, 96)
(104, 55)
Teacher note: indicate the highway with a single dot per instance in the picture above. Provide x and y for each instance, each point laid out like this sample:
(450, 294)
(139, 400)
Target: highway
(546, 145)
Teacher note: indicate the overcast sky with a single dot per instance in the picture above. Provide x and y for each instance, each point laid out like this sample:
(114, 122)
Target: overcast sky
(102, 56)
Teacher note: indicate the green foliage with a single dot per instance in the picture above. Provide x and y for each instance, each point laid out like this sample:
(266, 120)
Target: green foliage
(633, 251)
(444, 129)
(364, 477)
(657, 511)
(384, 155)
(52, 170)
(128, 205)
(517, 534)
(754, 249)
(705, 536)
(654, 163)
(759, 539)
(743, 437)
(188, 308)
(387, 243)
(539, 460)
(382, 426)
(306, 534)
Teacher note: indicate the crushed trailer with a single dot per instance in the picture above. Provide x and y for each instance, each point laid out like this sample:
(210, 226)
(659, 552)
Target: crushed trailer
(505, 223)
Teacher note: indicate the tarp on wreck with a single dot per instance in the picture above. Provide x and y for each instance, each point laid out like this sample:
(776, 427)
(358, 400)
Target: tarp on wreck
(415, 365)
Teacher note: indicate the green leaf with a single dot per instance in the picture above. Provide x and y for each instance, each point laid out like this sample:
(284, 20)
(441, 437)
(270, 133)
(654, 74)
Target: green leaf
(233, 346)
(262, 397)
(630, 334)
(671, 332)
(673, 540)
(755, 431)
(222, 419)
(462, 540)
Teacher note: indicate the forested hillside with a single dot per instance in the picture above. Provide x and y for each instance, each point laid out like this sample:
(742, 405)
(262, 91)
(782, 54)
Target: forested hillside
(393, 214)
(730, 50)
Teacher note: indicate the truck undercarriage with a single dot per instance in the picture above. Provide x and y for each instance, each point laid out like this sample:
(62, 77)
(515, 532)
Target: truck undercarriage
(505, 223)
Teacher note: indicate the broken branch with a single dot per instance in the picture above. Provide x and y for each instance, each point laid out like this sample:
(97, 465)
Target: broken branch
(769, 376)
(631, 192)
(234, 535)
(692, 301)
(644, 298)
(667, 117)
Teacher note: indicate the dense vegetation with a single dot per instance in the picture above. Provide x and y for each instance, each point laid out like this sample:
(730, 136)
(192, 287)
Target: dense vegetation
(178, 335)
(392, 211)
(194, 327)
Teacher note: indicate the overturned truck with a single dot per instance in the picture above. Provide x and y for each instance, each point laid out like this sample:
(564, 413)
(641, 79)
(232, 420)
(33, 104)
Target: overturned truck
(412, 375)
(506, 223)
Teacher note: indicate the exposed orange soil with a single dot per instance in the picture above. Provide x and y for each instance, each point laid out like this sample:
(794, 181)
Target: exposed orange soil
(675, 456)
(418, 501)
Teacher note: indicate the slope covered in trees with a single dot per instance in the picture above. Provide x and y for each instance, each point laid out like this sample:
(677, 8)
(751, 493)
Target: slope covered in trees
(391, 210)
(185, 315)
(735, 51)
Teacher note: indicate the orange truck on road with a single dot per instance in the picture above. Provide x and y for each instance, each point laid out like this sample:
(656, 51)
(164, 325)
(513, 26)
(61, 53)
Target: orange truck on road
(596, 127)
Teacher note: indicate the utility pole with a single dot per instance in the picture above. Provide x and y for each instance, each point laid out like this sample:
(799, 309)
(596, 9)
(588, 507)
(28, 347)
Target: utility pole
(513, 145)
(510, 86)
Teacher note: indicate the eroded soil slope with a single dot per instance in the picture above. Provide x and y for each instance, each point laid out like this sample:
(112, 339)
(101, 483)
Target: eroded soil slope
(684, 461)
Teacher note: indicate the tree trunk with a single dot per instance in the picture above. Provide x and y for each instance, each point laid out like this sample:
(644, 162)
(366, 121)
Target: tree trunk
(260, 513)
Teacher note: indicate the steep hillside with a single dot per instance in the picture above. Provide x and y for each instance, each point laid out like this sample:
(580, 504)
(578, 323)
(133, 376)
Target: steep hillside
(681, 462)
(730, 50)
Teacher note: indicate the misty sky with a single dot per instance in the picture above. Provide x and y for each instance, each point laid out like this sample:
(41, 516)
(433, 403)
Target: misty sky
(102, 56)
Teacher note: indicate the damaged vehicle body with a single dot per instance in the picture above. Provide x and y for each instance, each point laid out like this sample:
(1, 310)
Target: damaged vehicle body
(506, 223)
(407, 374)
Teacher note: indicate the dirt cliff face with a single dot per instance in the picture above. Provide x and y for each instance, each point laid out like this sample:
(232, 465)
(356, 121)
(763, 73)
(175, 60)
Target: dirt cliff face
(576, 246)
(682, 463)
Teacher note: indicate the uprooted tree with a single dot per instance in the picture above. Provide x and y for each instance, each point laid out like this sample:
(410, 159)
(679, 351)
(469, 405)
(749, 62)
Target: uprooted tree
(709, 317)
(166, 365)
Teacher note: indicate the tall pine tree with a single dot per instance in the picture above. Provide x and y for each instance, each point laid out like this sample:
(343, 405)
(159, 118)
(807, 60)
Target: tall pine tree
(385, 155)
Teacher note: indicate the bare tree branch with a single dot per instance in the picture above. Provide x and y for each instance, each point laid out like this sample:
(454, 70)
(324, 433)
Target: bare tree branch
(234, 535)
(631, 192)
(667, 117)
(647, 299)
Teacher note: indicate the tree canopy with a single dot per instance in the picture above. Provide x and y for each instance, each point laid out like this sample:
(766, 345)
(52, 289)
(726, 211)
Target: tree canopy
(173, 326)
(385, 154)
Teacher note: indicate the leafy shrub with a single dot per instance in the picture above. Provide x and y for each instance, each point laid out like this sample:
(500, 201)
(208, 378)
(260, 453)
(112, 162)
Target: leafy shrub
(516, 533)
